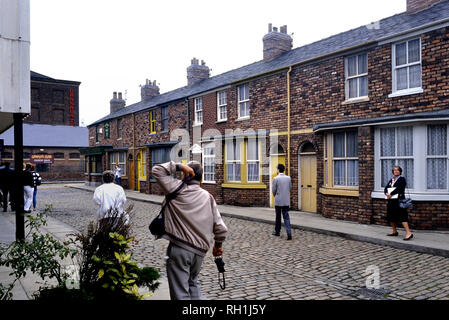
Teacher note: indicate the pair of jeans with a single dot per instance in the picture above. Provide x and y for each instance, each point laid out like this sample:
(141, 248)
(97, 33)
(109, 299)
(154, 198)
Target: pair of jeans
(183, 268)
(118, 180)
(28, 197)
(35, 197)
(284, 211)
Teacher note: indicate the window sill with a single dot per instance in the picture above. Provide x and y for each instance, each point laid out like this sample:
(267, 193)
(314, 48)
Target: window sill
(152, 133)
(209, 182)
(244, 185)
(416, 196)
(220, 121)
(243, 118)
(405, 92)
(118, 139)
(143, 179)
(340, 192)
(355, 100)
(197, 124)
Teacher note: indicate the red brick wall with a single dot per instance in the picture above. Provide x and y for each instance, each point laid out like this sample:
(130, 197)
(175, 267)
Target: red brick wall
(414, 6)
(47, 108)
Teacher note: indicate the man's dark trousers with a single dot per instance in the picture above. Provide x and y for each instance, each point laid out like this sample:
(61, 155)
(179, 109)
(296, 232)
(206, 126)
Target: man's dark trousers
(284, 211)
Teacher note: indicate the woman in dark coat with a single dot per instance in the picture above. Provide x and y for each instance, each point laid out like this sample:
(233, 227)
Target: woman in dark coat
(394, 212)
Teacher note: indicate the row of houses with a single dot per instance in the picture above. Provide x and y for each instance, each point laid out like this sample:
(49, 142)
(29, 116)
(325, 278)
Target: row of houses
(339, 113)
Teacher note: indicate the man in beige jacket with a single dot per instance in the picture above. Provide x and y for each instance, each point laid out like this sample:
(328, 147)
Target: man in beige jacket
(191, 221)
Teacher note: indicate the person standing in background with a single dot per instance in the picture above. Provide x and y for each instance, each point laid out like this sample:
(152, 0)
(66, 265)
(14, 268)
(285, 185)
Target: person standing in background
(6, 176)
(37, 180)
(28, 188)
(282, 185)
(118, 175)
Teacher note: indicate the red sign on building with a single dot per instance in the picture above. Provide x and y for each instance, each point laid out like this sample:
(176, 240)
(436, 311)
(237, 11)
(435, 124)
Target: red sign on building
(72, 106)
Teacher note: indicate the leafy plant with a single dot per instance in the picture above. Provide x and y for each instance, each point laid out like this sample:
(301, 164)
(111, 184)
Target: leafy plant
(39, 253)
(106, 268)
(118, 274)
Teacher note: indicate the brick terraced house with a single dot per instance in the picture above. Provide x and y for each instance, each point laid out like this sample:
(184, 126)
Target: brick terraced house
(339, 113)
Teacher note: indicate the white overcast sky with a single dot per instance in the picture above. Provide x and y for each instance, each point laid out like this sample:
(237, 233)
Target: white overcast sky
(114, 45)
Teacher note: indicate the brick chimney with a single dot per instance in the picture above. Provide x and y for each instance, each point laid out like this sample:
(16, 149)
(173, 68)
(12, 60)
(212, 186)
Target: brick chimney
(275, 43)
(197, 72)
(117, 103)
(149, 90)
(414, 6)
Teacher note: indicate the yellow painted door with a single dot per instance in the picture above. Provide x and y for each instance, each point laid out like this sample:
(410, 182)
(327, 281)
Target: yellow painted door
(275, 160)
(139, 168)
(308, 183)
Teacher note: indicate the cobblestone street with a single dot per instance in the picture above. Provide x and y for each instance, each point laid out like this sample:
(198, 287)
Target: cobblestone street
(261, 266)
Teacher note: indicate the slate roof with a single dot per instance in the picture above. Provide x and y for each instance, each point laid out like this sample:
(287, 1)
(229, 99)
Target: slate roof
(43, 135)
(364, 35)
(440, 114)
(40, 77)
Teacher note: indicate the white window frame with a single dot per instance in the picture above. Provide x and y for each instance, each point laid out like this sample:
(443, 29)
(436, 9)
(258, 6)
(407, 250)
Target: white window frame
(222, 104)
(198, 111)
(237, 143)
(248, 161)
(345, 159)
(427, 157)
(407, 65)
(243, 101)
(208, 157)
(419, 191)
(116, 160)
(357, 76)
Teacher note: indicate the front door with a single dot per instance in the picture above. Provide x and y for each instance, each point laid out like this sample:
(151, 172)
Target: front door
(308, 183)
(275, 160)
(131, 177)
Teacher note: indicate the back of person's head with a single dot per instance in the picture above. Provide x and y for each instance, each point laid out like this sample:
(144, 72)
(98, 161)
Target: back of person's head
(281, 168)
(196, 166)
(28, 166)
(108, 176)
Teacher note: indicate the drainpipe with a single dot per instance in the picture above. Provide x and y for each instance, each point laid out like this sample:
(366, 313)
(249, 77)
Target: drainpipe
(134, 150)
(186, 100)
(288, 119)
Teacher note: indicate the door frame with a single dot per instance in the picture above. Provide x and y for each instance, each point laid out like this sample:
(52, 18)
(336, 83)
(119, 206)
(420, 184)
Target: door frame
(300, 153)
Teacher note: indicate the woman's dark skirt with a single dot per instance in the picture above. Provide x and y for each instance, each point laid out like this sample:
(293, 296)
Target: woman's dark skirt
(395, 213)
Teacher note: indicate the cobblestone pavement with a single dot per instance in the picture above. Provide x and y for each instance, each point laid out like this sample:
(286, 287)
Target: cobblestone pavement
(261, 266)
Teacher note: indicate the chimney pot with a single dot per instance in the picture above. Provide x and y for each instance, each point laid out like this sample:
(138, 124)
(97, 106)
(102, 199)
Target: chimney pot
(275, 43)
(149, 90)
(270, 27)
(414, 6)
(116, 104)
(197, 72)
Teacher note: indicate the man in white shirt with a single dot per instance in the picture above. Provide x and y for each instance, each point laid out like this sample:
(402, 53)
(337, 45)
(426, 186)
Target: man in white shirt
(110, 197)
